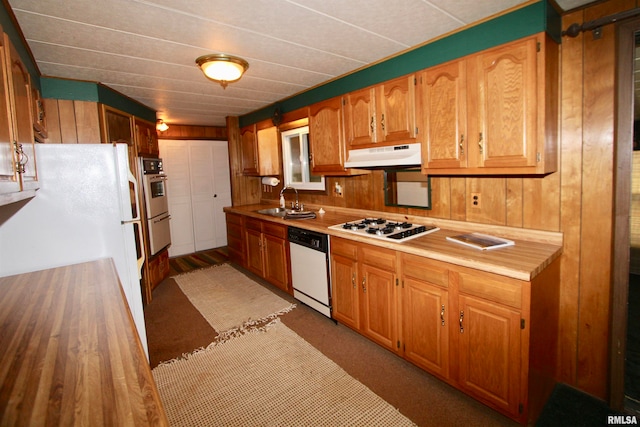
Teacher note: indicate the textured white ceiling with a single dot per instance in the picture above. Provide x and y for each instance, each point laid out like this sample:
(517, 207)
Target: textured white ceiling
(145, 49)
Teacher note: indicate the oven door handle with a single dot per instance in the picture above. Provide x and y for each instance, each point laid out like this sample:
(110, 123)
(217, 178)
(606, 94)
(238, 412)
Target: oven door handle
(155, 221)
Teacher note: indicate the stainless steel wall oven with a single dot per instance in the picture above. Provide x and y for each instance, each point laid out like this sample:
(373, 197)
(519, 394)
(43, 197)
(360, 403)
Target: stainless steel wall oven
(157, 206)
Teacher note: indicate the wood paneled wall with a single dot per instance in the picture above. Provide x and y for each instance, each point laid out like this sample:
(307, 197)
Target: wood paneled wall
(71, 122)
(576, 200)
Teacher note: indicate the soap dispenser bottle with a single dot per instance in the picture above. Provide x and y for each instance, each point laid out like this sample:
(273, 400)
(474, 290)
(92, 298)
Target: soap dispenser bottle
(281, 201)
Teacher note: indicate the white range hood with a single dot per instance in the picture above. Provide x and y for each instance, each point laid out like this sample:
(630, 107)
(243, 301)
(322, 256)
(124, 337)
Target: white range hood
(389, 156)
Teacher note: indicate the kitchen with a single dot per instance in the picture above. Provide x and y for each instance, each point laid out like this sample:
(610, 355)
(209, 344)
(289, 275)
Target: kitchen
(564, 201)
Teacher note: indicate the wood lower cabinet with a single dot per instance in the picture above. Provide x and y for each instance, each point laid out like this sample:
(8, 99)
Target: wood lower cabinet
(235, 238)
(491, 336)
(365, 290)
(158, 269)
(426, 313)
(490, 353)
(267, 252)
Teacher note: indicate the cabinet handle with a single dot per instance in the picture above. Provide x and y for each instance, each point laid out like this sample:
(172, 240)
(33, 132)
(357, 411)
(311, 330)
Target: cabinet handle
(353, 280)
(442, 315)
(382, 122)
(372, 125)
(480, 143)
(462, 145)
(364, 288)
(461, 317)
(21, 158)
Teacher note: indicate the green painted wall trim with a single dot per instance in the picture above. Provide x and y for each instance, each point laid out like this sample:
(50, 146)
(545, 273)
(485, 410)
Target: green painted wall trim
(532, 19)
(77, 90)
(69, 89)
(115, 99)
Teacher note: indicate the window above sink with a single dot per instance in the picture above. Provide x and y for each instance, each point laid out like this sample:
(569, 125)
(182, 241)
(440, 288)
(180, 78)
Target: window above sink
(296, 162)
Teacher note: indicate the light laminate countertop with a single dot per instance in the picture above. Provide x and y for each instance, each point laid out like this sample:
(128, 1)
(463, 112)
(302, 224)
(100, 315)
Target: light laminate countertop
(533, 250)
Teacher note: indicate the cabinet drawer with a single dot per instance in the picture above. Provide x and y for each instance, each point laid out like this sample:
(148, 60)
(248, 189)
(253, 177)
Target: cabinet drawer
(501, 290)
(344, 247)
(377, 257)
(234, 219)
(253, 224)
(425, 270)
(234, 230)
(275, 230)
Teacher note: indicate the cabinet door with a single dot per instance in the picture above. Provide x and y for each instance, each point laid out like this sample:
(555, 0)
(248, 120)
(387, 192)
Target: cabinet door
(444, 103)
(378, 293)
(344, 290)
(425, 308)
(396, 118)
(22, 121)
(490, 352)
(506, 84)
(360, 117)
(9, 180)
(248, 148)
(146, 138)
(235, 238)
(275, 261)
(268, 153)
(254, 261)
(326, 138)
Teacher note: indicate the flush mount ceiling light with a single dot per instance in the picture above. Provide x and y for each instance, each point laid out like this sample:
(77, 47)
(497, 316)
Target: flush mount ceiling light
(222, 68)
(161, 125)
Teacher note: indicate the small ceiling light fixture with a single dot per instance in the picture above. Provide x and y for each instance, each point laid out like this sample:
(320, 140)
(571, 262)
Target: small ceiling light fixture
(221, 68)
(161, 125)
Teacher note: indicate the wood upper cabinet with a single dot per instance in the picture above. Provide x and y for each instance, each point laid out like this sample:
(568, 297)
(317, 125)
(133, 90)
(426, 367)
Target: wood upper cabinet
(494, 112)
(444, 102)
(326, 137)
(18, 170)
(260, 149)
(267, 252)
(364, 295)
(426, 313)
(146, 138)
(249, 150)
(383, 114)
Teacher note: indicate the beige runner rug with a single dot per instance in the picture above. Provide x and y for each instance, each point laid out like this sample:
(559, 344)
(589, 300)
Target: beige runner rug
(229, 300)
(267, 377)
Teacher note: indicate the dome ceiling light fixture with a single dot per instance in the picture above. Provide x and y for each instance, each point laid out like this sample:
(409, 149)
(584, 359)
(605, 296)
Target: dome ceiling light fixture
(221, 68)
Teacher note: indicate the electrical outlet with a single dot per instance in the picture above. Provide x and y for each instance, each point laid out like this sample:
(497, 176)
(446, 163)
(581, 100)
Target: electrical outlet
(337, 190)
(476, 200)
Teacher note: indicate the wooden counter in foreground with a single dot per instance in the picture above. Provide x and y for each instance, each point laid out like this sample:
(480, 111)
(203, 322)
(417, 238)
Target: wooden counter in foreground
(69, 351)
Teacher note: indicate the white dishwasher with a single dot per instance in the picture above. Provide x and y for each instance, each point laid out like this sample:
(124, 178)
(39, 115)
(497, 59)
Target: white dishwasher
(309, 252)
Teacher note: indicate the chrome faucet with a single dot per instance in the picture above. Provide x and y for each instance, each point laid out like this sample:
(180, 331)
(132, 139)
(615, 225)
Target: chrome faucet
(282, 203)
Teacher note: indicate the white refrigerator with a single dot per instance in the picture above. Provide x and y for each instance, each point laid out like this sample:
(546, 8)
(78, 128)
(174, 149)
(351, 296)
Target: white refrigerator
(86, 209)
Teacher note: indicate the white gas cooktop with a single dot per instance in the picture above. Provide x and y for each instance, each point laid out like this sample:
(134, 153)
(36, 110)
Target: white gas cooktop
(380, 228)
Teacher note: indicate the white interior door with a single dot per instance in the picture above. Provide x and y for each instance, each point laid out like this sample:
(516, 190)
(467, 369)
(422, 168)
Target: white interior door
(203, 190)
(175, 157)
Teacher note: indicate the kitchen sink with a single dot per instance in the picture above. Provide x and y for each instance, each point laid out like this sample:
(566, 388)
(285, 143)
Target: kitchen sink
(287, 213)
(274, 211)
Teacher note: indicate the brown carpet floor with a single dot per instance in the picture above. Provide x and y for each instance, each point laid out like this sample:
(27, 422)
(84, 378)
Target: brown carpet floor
(175, 327)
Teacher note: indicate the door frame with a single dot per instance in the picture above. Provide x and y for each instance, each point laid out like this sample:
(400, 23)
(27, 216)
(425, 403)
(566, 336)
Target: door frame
(622, 207)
